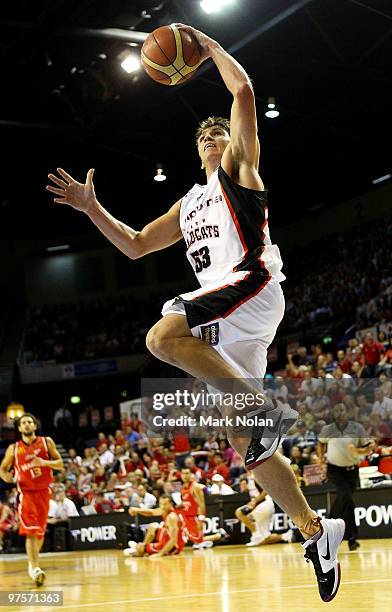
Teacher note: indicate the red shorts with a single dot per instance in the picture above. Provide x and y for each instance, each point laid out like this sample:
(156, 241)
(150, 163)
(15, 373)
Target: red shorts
(33, 508)
(162, 538)
(194, 529)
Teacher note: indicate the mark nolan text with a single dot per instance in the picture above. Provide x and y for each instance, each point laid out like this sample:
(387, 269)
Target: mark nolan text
(209, 421)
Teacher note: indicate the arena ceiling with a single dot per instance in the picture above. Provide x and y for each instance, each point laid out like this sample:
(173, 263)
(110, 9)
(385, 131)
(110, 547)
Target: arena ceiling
(66, 101)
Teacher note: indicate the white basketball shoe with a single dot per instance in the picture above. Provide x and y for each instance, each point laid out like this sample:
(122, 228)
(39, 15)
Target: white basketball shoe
(322, 550)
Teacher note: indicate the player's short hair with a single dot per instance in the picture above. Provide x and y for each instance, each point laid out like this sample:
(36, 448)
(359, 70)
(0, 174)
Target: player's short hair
(211, 122)
(166, 496)
(26, 414)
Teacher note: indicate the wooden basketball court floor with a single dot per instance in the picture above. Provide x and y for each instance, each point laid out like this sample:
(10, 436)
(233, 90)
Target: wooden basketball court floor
(222, 579)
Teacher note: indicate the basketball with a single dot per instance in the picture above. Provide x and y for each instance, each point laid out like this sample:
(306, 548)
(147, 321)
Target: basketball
(170, 55)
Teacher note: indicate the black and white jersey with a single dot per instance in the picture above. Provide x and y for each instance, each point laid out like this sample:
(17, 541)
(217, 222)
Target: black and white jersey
(225, 227)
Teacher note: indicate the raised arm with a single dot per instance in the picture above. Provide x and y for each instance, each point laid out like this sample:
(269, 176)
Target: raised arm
(159, 234)
(241, 158)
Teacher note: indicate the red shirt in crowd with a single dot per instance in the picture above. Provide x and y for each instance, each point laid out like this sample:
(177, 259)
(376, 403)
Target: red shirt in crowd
(181, 443)
(372, 352)
(221, 469)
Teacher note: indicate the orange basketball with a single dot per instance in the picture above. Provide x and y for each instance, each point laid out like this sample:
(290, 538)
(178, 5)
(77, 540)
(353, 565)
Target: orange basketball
(170, 55)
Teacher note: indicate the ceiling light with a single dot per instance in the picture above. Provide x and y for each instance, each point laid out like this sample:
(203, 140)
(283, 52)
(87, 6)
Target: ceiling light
(159, 177)
(214, 6)
(382, 179)
(131, 63)
(60, 247)
(75, 399)
(272, 111)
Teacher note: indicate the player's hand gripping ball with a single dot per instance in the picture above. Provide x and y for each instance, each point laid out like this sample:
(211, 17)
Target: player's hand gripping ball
(170, 55)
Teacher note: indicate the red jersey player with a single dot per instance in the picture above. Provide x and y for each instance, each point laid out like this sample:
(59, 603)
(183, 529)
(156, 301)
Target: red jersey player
(32, 459)
(160, 540)
(193, 510)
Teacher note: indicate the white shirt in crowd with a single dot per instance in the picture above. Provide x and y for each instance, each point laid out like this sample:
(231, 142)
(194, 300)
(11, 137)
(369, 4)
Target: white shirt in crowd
(62, 510)
(106, 458)
(223, 489)
(310, 385)
(383, 408)
(281, 393)
(148, 501)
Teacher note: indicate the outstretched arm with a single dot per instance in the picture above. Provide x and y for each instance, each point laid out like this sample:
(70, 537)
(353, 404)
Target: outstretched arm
(157, 235)
(241, 158)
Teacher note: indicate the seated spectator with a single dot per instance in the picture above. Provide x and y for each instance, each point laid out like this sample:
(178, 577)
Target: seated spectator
(386, 359)
(351, 407)
(385, 384)
(119, 439)
(131, 435)
(364, 407)
(227, 452)
(196, 470)
(309, 384)
(297, 458)
(106, 457)
(378, 429)
(219, 467)
(345, 379)
(211, 443)
(99, 476)
(303, 437)
(90, 456)
(61, 508)
(281, 391)
(321, 404)
(358, 373)
(102, 439)
(71, 487)
(382, 405)
(74, 458)
(84, 481)
(344, 362)
(330, 363)
(142, 498)
(103, 505)
(219, 487)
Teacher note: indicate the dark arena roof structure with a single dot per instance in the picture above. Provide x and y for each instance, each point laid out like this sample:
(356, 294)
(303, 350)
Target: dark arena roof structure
(66, 101)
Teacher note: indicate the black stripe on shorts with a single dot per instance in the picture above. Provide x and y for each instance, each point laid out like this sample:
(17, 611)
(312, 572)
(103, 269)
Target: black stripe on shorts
(221, 302)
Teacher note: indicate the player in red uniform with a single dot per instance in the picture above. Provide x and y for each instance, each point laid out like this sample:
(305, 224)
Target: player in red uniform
(32, 460)
(193, 511)
(160, 540)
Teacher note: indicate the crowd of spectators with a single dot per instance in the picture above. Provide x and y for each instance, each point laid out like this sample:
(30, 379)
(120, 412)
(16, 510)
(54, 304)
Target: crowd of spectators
(99, 328)
(130, 468)
(341, 278)
(344, 278)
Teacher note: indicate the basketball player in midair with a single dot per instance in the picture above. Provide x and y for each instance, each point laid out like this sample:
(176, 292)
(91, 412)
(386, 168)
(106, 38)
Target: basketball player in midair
(222, 331)
(31, 461)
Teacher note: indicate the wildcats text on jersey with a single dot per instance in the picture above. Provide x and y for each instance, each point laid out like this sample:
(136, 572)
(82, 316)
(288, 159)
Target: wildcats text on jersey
(201, 233)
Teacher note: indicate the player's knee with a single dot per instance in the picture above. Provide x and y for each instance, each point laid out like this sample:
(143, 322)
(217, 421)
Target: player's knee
(158, 342)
